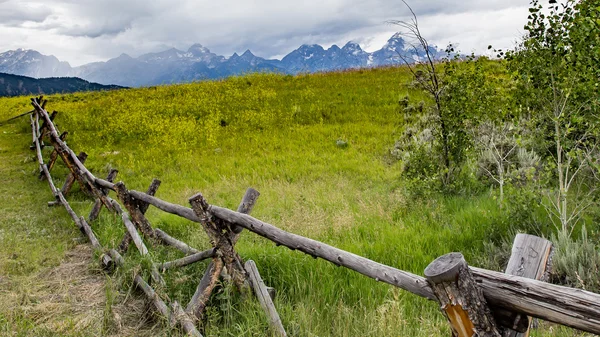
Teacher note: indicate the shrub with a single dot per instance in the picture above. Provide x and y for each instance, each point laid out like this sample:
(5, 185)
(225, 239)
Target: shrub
(576, 263)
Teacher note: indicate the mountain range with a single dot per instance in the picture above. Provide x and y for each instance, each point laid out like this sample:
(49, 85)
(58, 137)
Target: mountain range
(199, 63)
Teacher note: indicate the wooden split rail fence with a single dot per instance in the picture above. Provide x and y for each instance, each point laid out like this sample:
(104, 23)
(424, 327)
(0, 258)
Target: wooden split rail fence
(475, 301)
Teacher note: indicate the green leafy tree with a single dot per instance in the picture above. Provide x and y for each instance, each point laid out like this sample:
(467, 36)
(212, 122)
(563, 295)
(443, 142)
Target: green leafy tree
(460, 90)
(556, 68)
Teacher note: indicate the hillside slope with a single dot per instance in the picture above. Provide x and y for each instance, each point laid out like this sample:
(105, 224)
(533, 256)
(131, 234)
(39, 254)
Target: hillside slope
(15, 85)
(278, 134)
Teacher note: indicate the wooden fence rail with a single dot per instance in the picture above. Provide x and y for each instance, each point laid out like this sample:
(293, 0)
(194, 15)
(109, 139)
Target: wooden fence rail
(510, 298)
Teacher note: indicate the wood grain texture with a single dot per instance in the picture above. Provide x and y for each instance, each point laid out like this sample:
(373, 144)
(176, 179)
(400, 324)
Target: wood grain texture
(187, 324)
(112, 174)
(200, 256)
(171, 241)
(135, 214)
(264, 298)
(208, 282)
(529, 258)
(220, 235)
(82, 156)
(575, 308)
(460, 298)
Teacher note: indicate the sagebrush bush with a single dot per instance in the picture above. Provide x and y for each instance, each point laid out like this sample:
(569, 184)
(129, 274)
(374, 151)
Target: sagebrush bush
(576, 263)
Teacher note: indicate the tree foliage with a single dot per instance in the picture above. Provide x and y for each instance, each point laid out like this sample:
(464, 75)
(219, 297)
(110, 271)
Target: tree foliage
(556, 69)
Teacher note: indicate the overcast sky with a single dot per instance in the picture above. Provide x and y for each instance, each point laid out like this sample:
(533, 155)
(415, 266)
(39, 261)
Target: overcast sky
(82, 31)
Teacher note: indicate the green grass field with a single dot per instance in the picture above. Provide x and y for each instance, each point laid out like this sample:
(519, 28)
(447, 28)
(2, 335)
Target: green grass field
(277, 134)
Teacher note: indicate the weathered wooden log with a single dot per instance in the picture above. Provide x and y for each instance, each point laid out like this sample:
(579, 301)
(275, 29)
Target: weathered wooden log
(81, 174)
(82, 156)
(220, 237)
(89, 233)
(186, 260)
(153, 297)
(460, 298)
(529, 258)
(264, 298)
(575, 308)
(42, 131)
(114, 260)
(141, 207)
(208, 282)
(103, 183)
(171, 241)
(54, 156)
(401, 279)
(201, 296)
(184, 212)
(187, 324)
(136, 215)
(112, 174)
(139, 243)
(248, 202)
(18, 116)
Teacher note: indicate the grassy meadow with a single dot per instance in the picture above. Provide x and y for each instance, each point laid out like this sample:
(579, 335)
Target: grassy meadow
(317, 147)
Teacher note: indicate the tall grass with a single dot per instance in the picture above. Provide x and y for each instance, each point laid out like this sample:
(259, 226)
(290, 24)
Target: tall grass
(279, 135)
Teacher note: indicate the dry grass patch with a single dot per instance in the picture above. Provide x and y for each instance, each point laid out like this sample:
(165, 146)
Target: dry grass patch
(74, 298)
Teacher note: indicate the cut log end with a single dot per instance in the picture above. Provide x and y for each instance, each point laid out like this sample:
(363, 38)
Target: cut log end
(445, 268)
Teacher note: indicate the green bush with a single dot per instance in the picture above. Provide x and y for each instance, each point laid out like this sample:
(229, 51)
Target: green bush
(576, 263)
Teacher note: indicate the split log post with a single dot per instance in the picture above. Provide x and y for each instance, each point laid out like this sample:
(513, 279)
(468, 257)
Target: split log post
(209, 280)
(460, 298)
(137, 209)
(82, 156)
(187, 324)
(54, 155)
(139, 243)
(154, 185)
(153, 297)
(112, 174)
(42, 131)
(220, 236)
(264, 298)
(530, 258)
(131, 204)
(171, 241)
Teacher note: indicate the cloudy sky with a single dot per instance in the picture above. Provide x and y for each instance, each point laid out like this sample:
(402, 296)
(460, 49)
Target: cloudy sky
(81, 31)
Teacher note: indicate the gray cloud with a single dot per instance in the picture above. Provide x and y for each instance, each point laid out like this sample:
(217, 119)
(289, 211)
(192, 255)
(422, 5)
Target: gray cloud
(16, 13)
(101, 29)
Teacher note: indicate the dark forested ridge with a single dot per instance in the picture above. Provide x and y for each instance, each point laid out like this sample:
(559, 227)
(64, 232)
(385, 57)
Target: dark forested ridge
(14, 85)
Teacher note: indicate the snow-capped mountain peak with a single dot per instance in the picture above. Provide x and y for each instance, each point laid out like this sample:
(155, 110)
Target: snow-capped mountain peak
(198, 62)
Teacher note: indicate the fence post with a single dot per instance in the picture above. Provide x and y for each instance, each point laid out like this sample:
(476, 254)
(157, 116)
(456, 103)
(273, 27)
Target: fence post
(529, 258)
(112, 174)
(460, 298)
